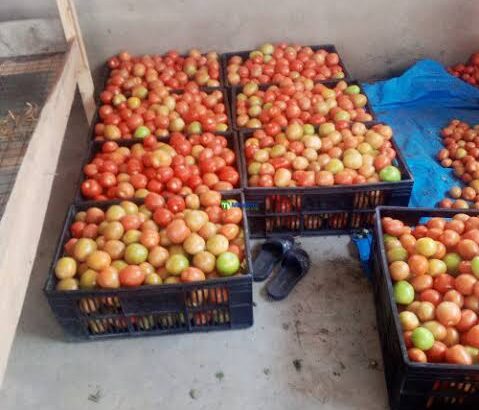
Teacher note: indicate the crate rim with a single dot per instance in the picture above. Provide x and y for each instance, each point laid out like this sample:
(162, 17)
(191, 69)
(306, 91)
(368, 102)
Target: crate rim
(385, 270)
(224, 57)
(49, 289)
(324, 189)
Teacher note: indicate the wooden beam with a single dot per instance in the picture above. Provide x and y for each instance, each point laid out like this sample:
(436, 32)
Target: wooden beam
(71, 28)
(22, 221)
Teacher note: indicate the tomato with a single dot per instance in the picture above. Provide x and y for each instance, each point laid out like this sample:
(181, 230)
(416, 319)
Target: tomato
(174, 185)
(437, 352)
(431, 295)
(448, 313)
(177, 231)
(468, 320)
(467, 248)
(472, 336)
(176, 204)
(90, 188)
(108, 278)
(162, 216)
(229, 174)
(418, 264)
(458, 355)
(192, 274)
(443, 283)
(417, 355)
(465, 283)
(131, 276)
(153, 201)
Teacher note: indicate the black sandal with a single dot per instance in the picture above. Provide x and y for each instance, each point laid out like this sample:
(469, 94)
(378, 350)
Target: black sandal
(272, 252)
(295, 265)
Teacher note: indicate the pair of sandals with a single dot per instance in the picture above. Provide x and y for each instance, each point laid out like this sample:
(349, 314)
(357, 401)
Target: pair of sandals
(295, 263)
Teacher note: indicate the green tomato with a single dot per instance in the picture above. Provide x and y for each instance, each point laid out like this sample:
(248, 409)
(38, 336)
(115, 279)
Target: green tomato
(135, 254)
(452, 261)
(397, 254)
(352, 89)
(267, 48)
(194, 128)
(390, 174)
(403, 293)
(474, 352)
(334, 166)
(475, 266)
(227, 264)
(308, 129)
(422, 338)
(142, 132)
(176, 264)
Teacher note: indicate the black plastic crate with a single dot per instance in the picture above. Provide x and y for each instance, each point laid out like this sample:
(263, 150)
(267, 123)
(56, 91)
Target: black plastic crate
(234, 91)
(216, 304)
(412, 385)
(321, 210)
(225, 57)
(96, 146)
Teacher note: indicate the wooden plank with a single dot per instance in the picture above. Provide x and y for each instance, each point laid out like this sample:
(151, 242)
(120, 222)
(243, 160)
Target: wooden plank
(21, 224)
(71, 28)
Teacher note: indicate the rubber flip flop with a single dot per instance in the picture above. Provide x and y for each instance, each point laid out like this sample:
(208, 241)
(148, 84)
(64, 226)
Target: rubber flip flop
(272, 252)
(295, 265)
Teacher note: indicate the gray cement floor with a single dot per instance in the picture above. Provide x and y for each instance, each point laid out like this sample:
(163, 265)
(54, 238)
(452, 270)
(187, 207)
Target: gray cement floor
(318, 349)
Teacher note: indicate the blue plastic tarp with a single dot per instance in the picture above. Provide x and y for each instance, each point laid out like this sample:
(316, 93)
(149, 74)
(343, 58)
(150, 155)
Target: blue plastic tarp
(417, 105)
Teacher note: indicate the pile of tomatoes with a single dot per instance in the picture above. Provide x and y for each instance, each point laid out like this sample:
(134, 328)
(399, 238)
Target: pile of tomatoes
(272, 63)
(461, 153)
(299, 102)
(183, 165)
(170, 70)
(468, 72)
(168, 239)
(147, 110)
(435, 270)
(341, 154)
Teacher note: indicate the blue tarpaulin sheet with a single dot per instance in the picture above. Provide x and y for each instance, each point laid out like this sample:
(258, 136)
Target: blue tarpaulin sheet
(417, 105)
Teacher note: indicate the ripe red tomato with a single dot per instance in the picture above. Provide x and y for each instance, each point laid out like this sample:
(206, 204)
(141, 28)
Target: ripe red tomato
(176, 204)
(229, 174)
(90, 188)
(154, 201)
(162, 216)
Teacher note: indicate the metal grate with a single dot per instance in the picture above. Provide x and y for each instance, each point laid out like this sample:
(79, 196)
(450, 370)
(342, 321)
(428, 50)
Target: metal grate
(25, 83)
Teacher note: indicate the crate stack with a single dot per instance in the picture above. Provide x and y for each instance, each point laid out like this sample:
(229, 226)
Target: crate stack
(314, 210)
(214, 304)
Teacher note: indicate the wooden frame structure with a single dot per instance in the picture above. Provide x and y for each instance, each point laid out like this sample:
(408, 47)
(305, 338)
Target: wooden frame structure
(22, 221)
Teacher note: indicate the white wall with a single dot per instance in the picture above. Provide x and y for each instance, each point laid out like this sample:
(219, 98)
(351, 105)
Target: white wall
(377, 38)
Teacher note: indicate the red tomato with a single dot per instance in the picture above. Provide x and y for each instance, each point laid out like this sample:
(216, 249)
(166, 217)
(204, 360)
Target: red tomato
(77, 228)
(107, 179)
(154, 201)
(176, 204)
(90, 188)
(162, 216)
(229, 174)
(174, 185)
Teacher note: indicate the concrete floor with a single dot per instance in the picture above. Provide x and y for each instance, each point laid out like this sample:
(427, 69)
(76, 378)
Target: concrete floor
(318, 349)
